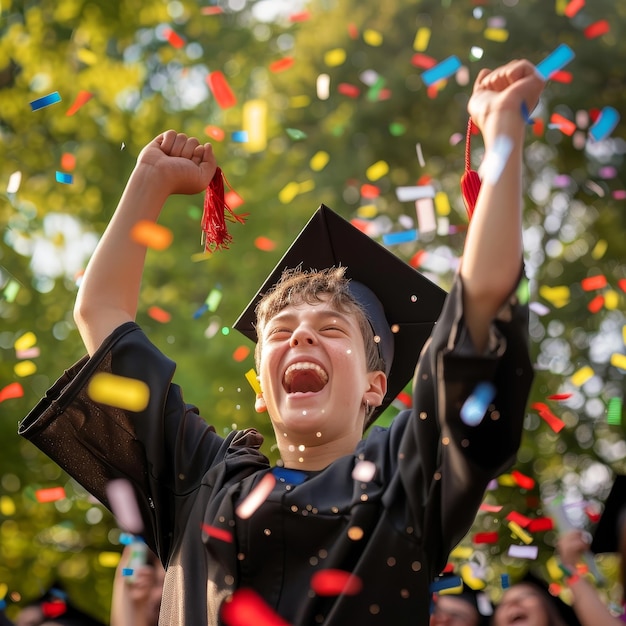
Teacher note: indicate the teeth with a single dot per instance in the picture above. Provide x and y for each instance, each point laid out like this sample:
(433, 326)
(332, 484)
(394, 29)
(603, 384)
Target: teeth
(305, 365)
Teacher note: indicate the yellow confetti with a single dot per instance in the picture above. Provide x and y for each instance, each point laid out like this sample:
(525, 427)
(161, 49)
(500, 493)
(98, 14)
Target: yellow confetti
(557, 296)
(581, 376)
(87, 56)
(552, 565)
(255, 124)
(201, 256)
(517, 530)
(496, 34)
(618, 360)
(24, 368)
(377, 170)
(306, 185)
(7, 508)
(506, 480)
(611, 299)
(451, 591)
(124, 393)
(319, 160)
(252, 378)
(367, 211)
(422, 39)
(3, 590)
(288, 192)
(372, 37)
(25, 341)
(335, 57)
(472, 581)
(109, 559)
(299, 102)
(561, 5)
(462, 552)
(442, 203)
(599, 249)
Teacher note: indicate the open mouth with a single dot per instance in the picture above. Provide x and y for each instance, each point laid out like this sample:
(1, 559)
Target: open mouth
(304, 377)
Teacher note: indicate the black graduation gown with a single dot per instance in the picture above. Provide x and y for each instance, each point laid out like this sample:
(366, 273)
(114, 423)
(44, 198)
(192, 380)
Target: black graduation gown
(394, 532)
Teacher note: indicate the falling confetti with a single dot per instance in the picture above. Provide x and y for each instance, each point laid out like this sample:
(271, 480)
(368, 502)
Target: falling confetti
(123, 503)
(130, 394)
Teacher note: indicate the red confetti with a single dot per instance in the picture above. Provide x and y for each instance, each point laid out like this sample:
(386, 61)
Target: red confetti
(405, 398)
(365, 226)
(241, 353)
(593, 513)
(490, 537)
(540, 524)
(562, 76)
(218, 533)
(593, 282)
(490, 508)
(621, 283)
(560, 396)
(215, 132)
(601, 27)
(50, 495)
(303, 16)
(265, 244)
(567, 127)
(159, 314)
(246, 607)
(346, 89)
(538, 127)
(573, 7)
(353, 30)
(174, 39)
(423, 61)
(53, 608)
(523, 481)
(68, 161)
(259, 494)
(211, 10)
(518, 518)
(234, 200)
(333, 582)
(281, 65)
(221, 90)
(12, 390)
(596, 304)
(548, 416)
(370, 191)
(418, 258)
(82, 98)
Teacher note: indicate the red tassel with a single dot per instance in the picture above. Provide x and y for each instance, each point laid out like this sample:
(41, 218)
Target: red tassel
(215, 235)
(470, 181)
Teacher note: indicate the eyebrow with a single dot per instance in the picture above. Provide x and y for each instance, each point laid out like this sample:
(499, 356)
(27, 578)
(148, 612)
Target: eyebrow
(320, 313)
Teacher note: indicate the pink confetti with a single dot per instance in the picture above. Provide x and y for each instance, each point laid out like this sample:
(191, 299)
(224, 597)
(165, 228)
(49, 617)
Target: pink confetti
(256, 497)
(50, 495)
(124, 505)
(364, 471)
(246, 607)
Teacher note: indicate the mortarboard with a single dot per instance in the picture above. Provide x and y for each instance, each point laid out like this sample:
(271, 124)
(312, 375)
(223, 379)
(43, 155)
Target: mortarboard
(410, 301)
(607, 531)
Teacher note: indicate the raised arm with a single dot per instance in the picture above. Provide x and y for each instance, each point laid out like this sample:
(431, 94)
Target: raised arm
(171, 163)
(493, 248)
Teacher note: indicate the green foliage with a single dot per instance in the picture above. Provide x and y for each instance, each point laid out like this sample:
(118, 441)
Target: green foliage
(141, 84)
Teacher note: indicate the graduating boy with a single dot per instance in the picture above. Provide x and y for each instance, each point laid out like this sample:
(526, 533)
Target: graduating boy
(347, 530)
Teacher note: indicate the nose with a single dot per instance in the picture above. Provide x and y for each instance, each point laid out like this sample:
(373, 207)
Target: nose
(301, 336)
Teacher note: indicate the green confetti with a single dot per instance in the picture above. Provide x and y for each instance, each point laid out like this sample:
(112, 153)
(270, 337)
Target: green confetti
(397, 129)
(213, 299)
(523, 291)
(295, 134)
(11, 290)
(614, 412)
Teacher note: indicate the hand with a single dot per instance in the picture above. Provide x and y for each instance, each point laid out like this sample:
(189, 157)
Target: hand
(571, 547)
(505, 90)
(178, 162)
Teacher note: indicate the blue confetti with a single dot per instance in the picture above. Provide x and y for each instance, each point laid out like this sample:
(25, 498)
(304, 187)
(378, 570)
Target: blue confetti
(504, 580)
(240, 136)
(475, 407)
(443, 70)
(445, 582)
(604, 125)
(127, 571)
(405, 236)
(555, 61)
(45, 101)
(66, 179)
(289, 476)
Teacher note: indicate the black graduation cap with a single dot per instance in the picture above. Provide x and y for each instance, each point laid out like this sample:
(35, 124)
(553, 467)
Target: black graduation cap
(607, 532)
(410, 301)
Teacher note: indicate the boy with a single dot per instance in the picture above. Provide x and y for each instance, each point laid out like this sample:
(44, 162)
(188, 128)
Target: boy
(348, 531)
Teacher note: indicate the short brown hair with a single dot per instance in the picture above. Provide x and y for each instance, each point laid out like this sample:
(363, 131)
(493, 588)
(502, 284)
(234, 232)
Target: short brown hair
(298, 286)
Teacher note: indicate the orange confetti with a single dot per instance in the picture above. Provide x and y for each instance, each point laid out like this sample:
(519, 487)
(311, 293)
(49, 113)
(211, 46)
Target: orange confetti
(265, 244)
(159, 314)
(523, 481)
(50, 495)
(621, 283)
(211, 10)
(151, 235)
(567, 127)
(418, 258)
(68, 162)
(241, 353)
(333, 582)
(174, 39)
(233, 200)
(597, 29)
(246, 607)
(221, 90)
(281, 65)
(538, 127)
(596, 304)
(353, 31)
(215, 132)
(218, 533)
(303, 16)
(82, 98)
(593, 282)
(370, 191)
(573, 7)
(12, 390)
(555, 423)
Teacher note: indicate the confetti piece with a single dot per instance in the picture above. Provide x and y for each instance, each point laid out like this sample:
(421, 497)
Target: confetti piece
(151, 235)
(334, 58)
(241, 353)
(364, 471)
(159, 315)
(496, 34)
(425, 212)
(25, 341)
(52, 609)
(422, 39)
(555, 423)
(346, 89)
(377, 170)
(81, 99)
(65, 179)
(406, 236)
(475, 406)
(281, 65)
(581, 376)
(471, 578)
(519, 532)
(255, 125)
(593, 282)
(540, 524)
(302, 16)
(410, 194)
(555, 61)
(370, 191)
(573, 7)
(245, 607)
(614, 412)
(596, 304)
(490, 508)
(524, 552)
(605, 124)
(486, 537)
(239, 136)
(173, 38)
(109, 559)
(11, 290)
(215, 132)
(256, 497)
(289, 476)
(45, 101)
(25, 368)
(212, 10)
(319, 161)
(253, 380)
(334, 582)
(597, 29)
(15, 180)
(322, 86)
(373, 38)
(494, 161)
(296, 134)
(461, 552)
(68, 161)
(523, 481)
(213, 299)
(567, 127)
(11, 391)
(123, 503)
(618, 360)
(450, 584)
(50, 495)
(129, 394)
(557, 296)
(30, 353)
(221, 534)
(443, 70)
(221, 90)
(518, 518)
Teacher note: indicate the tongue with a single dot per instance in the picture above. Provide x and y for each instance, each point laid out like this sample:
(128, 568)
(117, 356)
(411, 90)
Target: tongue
(305, 380)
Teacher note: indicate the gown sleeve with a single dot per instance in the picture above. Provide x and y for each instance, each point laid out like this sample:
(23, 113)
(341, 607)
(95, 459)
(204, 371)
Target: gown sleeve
(444, 464)
(160, 450)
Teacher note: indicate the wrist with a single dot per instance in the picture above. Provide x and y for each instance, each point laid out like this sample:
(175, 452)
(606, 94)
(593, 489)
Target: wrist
(503, 122)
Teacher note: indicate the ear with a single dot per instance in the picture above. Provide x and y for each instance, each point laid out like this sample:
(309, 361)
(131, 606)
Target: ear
(377, 389)
(259, 403)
